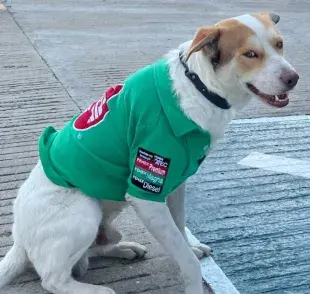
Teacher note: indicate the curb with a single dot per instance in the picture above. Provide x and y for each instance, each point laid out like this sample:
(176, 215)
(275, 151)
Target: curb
(212, 274)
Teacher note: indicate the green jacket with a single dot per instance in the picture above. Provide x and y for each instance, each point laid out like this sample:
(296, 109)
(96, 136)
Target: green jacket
(134, 140)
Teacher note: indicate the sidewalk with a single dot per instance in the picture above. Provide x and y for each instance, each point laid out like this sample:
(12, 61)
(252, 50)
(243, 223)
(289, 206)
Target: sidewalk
(30, 98)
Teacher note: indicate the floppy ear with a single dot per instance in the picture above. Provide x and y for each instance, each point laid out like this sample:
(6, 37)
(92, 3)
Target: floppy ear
(274, 17)
(206, 38)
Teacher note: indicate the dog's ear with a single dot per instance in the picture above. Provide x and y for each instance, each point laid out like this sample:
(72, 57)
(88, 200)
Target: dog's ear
(275, 18)
(206, 38)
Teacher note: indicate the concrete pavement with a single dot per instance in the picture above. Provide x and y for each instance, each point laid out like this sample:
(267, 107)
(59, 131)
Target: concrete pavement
(92, 44)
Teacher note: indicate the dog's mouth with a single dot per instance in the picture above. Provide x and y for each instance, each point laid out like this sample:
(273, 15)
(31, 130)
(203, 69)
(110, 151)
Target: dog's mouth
(275, 100)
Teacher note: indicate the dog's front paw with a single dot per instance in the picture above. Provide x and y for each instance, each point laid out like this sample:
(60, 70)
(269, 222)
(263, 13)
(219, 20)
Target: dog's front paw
(201, 250)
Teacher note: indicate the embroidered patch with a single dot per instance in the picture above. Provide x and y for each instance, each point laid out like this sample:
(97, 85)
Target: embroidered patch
(97, 111)
(150, 171)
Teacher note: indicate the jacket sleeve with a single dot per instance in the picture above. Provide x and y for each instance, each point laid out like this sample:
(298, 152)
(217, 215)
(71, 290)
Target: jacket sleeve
(155, 166)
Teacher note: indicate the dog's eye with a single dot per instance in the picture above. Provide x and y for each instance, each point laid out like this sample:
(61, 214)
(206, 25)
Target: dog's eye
(250, 54)
(280, 45)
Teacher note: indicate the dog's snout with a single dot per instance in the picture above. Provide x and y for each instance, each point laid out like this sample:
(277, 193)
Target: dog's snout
(289, 78)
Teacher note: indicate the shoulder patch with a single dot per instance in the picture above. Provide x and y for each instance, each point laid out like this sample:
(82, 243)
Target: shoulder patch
(97, 111)
(149, 171)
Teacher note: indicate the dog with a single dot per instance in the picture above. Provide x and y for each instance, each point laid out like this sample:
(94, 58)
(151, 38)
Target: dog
(137, 145)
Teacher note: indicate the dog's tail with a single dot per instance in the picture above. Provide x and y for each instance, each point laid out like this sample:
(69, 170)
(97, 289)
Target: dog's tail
(12, 264)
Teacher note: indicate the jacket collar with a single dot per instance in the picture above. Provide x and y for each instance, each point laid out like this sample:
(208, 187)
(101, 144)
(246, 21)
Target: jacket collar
(179, 122)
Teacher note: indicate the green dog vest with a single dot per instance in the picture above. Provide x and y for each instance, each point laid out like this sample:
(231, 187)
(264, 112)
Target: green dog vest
(135, 139)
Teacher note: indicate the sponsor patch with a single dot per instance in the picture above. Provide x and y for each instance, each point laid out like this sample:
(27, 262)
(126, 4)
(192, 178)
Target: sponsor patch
(149, 171)
(97, 111)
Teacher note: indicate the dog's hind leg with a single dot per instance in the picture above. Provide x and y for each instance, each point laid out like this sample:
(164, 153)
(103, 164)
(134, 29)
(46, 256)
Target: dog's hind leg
(109, 236)
(80, 268)
(108, 233)
(62, 240)
(58, 285)
(56, 226)
(12, 264)
(58, 238)
(67, 234)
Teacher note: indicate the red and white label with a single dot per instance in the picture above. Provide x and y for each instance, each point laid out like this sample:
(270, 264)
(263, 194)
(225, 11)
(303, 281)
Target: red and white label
(151, 166)
(97, 111)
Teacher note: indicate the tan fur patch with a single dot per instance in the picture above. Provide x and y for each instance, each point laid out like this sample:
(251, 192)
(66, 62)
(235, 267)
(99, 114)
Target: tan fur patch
(264, 18)
(234, 42)
(233, 39)
(201, 39)
(274, 43)
(232, 36)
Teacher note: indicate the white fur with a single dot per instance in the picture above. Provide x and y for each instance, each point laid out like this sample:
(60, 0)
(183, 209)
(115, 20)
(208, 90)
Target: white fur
(54, 226)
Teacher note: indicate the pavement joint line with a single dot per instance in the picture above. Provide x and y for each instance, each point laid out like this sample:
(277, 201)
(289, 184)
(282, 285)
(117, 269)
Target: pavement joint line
(275, 163)
(212, 274)
(44, 60)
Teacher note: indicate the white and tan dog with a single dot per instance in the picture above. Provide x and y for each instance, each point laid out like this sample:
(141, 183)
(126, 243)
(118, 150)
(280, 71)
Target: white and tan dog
(237, 59)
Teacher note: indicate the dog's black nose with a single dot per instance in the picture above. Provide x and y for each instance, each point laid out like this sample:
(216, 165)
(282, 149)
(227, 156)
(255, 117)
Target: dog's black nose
(289, 78)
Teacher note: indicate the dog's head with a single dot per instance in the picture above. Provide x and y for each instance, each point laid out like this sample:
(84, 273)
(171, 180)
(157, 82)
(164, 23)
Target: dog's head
(246, 54)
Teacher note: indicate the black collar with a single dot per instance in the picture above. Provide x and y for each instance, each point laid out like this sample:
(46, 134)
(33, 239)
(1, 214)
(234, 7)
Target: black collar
(201, 87)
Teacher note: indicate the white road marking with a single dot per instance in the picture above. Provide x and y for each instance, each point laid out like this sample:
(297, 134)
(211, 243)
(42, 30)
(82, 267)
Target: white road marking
(273, 119)
(276, 163)
(212, 273)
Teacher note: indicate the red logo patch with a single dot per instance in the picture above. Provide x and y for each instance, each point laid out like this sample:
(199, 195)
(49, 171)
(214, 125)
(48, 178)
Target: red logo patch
(96, 112)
